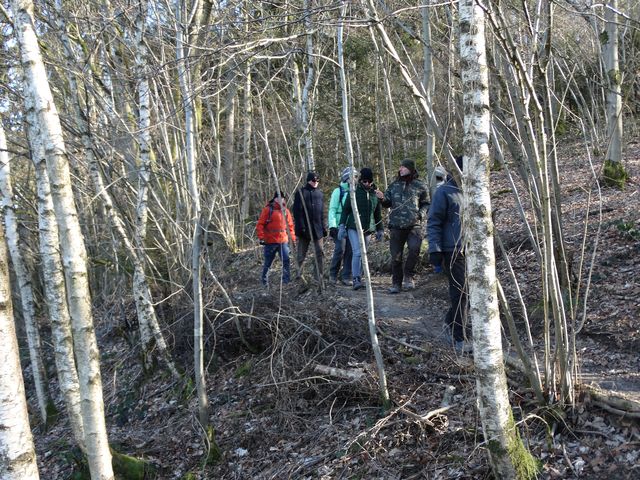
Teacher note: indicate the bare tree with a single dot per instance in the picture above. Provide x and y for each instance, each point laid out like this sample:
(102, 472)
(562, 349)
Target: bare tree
(614, 171)
(24, 281)
(16, 443)
(42, 113)
(382, 377)
(507, 454)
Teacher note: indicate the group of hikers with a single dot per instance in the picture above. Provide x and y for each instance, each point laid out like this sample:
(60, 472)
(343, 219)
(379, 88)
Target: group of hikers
(411, 216)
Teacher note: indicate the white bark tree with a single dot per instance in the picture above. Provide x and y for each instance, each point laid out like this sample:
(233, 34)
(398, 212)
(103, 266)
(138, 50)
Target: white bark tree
(382, 377)
(55, 298)
(17, 454)
(187, 96)
(24, 281)
(43, 115)
(507, 455)
(150, 333)
(614, 82)
(428, 83)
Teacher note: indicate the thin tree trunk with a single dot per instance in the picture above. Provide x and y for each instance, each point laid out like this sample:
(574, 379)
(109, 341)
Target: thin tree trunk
(504, 446)
(306, 100)
(150, 332)
(428, 83)
(246, 143)
(382, 377)
(42, 112)
(17, 454)
(55, 295)
(614, 80)
(24, 282)
(184, 79)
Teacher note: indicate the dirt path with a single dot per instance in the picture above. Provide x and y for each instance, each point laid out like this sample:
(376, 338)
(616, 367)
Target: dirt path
(419, 314)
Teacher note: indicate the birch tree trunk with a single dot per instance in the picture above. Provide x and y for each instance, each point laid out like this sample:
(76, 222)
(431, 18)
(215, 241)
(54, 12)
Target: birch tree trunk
(55, 295)
(150, 333)
(428, 83)
(24, 282)
(247, 107)
(187, 94)
(507, 454)
(382, 377)
(42, 113)
(17, 454)
(614, 81)
(306, 100)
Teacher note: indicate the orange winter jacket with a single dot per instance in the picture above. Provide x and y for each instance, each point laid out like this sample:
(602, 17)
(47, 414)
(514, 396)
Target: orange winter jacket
(271, 224)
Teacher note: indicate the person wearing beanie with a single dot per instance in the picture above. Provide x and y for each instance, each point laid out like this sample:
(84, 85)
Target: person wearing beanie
(308, 216)
(274, 227)
(342, 248)
(407, 199)
(446, 251)
(370, 214)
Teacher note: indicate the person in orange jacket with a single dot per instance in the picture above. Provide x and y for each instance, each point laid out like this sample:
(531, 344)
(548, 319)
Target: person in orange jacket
(272, 233)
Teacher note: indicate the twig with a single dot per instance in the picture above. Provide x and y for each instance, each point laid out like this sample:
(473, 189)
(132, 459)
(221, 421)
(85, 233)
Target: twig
(426, 418)
(401, 342)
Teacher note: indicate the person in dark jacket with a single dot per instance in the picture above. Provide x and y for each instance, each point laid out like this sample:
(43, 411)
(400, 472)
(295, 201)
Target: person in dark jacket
(408, 199)
(446, 251)
(370, 213)
(308, 215)
(273, 231)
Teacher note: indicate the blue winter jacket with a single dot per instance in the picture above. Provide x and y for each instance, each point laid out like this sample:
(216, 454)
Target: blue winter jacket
(443, 224)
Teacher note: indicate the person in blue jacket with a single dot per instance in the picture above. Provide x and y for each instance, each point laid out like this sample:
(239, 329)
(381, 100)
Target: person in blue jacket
(446, 251)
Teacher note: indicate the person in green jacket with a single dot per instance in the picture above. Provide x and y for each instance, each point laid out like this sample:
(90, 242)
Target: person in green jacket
(370, 213)
(407, 197)
(342, 248)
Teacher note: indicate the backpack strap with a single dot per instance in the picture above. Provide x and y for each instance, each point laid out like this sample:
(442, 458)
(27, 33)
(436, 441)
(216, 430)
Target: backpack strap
(270, 212)
(343, 192)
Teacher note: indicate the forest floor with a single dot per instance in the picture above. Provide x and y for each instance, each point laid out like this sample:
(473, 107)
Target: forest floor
(278, 414)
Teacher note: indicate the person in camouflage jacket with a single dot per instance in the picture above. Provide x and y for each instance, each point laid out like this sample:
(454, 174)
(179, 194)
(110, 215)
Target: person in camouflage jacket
(407, 197)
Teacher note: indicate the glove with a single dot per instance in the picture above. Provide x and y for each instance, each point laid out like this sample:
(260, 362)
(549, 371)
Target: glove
(262, 242)
(324, 232)
(342, 233)
(333, 233)
(379, 235)
(436, 259)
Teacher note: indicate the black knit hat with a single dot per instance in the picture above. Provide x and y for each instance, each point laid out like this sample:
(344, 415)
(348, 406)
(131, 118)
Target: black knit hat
(311, 176)
(366, 174)
(410, 164)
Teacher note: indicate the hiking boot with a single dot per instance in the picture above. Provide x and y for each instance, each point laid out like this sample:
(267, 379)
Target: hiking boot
(357, 283)
(394, 289)
(409, 284)
(332, 279)
(345, 282)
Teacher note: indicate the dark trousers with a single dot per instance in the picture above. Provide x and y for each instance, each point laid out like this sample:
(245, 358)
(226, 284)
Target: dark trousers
(454, 267)
(303, 246)
(341, 256)
(412, 237)
(270, 251)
